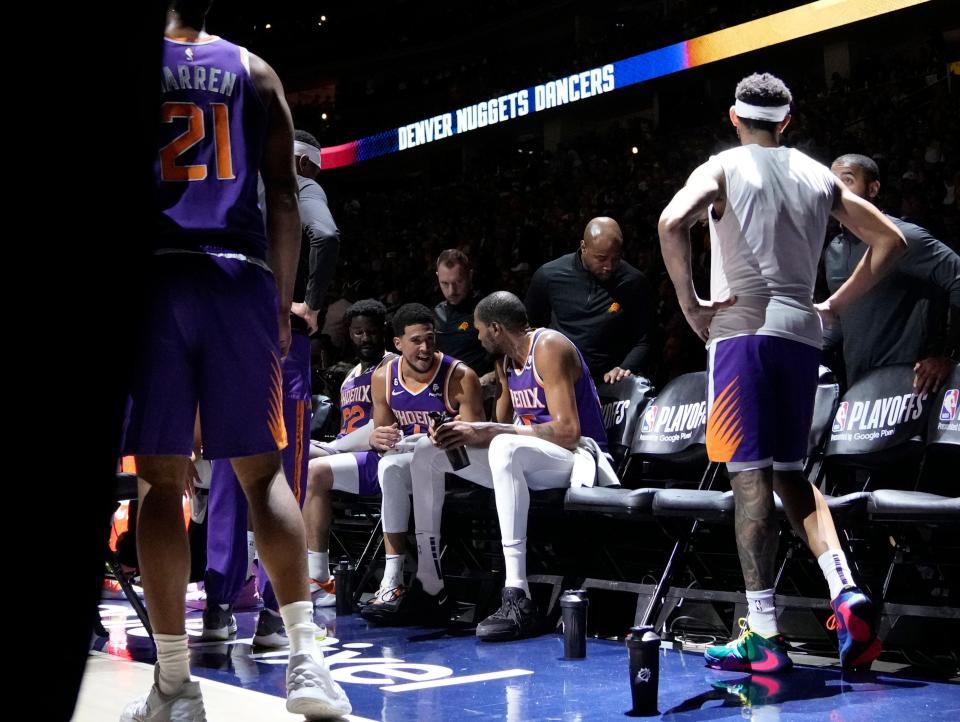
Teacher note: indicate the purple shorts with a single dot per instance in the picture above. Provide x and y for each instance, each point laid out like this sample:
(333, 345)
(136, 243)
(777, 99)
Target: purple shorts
(297, 414)
(355, 472)
(296, 369)
(209, 338)
(760, 398)
(227, 506)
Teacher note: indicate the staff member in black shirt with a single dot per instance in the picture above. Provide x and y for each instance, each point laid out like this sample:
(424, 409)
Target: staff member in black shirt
(598, 301)
(320, 239)
(456, 334)
(904, 318)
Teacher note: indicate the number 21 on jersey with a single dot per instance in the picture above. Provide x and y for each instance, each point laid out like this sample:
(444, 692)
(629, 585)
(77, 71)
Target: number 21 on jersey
(196, 133)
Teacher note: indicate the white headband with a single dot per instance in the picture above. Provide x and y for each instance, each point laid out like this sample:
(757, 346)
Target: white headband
(313, 154)
(774, 113)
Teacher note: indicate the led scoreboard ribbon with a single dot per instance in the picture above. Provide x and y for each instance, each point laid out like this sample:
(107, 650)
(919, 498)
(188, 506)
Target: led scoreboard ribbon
(781, 27)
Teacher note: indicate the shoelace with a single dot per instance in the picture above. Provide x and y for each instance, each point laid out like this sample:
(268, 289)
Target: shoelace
(745, 631)
(508, 606)
(389, 595)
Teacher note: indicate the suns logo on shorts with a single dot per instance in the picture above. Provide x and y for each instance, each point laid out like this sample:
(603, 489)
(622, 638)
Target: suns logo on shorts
(840, 420)
(614, 307)
(464, 326)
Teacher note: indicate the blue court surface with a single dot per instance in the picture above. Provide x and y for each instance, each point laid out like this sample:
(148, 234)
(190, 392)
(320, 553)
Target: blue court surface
(411, 673)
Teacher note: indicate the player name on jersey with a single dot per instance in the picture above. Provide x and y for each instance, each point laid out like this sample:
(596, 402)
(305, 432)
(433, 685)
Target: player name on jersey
(198, 77)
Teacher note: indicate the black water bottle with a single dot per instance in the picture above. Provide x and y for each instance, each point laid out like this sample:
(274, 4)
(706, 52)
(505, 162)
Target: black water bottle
(343, 579)
(573, 605)
(643, 645)
(457, 455)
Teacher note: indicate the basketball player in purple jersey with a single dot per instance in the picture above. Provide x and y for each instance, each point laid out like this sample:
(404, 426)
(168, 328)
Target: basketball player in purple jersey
(348, 464)
(213, 334)
(406, 391)
(548, 405)
(230, 546)
(768, 207)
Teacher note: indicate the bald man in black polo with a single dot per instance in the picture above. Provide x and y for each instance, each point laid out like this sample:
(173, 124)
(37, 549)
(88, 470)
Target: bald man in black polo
(599, 301)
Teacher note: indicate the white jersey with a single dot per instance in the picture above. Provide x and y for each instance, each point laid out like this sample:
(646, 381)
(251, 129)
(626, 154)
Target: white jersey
(766, 246)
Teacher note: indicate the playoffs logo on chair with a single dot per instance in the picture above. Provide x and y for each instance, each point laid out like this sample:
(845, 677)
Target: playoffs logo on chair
(873, 419)
(840, 420)
(949, 419)
(948, 411)
(673, 423)
(676, 420)
(614, 413)
(649, 418)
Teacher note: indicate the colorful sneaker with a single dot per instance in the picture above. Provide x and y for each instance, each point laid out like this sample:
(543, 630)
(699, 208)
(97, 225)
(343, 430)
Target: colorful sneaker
(270, 631)
(185, 705)
(855, 619)
(750, 652)
(324, 594)
(408, 605)
(386, 606)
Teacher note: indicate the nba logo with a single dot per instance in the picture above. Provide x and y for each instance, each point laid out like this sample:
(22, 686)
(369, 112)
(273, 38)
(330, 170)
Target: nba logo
(840, 420)
(948, 412)
(648, 418)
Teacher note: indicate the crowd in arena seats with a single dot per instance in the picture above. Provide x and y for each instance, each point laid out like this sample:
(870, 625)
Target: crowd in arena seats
(517, 208)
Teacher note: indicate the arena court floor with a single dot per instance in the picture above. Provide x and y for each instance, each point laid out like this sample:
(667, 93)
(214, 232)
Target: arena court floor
(425, 674)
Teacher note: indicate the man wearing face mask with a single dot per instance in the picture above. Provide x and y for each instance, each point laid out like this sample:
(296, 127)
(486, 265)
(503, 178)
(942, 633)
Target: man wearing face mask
(599, 301)
(912, 315)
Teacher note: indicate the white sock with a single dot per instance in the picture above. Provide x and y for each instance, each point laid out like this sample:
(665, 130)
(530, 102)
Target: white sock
(515, 564)
(428, 562)
(833, 564)
(251, 554)
(173, 661)
(762, 616)
(319, 565)
(301, 631)
(392, 572)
